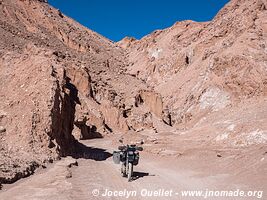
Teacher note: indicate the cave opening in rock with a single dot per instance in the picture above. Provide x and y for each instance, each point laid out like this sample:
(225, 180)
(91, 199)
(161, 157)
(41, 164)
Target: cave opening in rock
(187, 61)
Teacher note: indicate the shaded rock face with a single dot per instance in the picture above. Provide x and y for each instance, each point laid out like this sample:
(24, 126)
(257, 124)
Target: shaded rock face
(63, 114)
(87, 132)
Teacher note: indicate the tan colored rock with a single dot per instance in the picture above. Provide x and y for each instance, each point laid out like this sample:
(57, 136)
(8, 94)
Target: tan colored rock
(153, 101)
(2, 129)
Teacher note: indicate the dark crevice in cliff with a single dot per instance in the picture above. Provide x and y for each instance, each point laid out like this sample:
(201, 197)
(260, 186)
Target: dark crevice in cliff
(63, 115)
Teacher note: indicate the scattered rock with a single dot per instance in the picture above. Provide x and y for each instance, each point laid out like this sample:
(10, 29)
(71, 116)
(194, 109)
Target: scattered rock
(60, 13)
(219, 155)
(2, 129)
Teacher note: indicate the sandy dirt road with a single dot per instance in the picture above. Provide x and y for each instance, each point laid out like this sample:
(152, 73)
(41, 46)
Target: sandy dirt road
(96, 173)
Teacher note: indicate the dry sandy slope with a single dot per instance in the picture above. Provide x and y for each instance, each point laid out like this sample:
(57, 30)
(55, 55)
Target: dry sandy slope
(188, 172)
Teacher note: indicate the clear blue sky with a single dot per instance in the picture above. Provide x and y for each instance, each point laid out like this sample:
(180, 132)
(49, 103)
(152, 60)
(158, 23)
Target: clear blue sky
(116, 19)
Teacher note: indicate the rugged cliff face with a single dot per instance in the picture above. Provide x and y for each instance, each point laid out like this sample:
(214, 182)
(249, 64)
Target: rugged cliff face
(208, 74)
(201, 83)
(58, 81)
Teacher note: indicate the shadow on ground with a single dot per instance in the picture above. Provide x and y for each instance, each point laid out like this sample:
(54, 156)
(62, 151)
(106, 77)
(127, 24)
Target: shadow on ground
(137, 175)
(92, 153)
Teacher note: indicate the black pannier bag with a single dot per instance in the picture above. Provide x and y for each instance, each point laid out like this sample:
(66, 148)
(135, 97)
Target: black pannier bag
(136, 159)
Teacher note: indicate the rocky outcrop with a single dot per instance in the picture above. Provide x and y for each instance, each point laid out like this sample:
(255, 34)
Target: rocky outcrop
(196, 67)
(2, 129)
(65, 80)
(152, 99)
